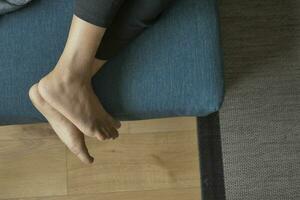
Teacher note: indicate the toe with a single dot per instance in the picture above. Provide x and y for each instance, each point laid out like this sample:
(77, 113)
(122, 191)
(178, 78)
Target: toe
(113, 132)
(98, 130)
(106, 133)
(100, 136)
(81, 151)
(114, 122)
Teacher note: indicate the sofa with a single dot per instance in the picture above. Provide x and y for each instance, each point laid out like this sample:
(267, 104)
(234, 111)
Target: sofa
(174, 68)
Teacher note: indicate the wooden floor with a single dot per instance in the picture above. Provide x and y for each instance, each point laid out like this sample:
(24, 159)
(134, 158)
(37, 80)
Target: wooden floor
(153, 159)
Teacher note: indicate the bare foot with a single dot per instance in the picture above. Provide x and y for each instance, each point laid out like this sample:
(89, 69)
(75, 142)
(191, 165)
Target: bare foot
(72, 95)
(66, 131)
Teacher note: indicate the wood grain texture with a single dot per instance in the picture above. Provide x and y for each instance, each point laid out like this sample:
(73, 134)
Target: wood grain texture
(172, 194)
(137, 162)
(36, 131)
(32, 168)
(34, 164)
(26, 131)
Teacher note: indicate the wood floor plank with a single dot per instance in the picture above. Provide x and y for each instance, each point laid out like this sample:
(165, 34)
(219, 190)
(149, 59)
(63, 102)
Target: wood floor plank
(165, 161)
(36, 131)
(137, 162)
(163, 125)
(124, 127)
(35, 167)
(172, 194)
(27, 131)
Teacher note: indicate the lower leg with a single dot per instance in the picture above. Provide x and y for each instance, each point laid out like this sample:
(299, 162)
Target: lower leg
(79, 52)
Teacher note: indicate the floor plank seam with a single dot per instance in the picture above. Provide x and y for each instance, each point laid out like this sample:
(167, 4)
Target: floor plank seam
(67, 172)
(87, 194)
(57, 138)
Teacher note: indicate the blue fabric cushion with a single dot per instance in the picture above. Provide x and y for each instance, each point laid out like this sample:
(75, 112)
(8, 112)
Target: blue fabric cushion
(173, 69)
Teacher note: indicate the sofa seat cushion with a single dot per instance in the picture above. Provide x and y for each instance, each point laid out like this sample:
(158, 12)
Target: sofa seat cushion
(173, 69)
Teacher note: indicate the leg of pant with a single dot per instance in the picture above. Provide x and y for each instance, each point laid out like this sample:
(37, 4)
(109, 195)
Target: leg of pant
(97, 12)
(131, 19)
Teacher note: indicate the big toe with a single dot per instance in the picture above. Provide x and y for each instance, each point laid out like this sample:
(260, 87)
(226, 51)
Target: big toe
(81, 151)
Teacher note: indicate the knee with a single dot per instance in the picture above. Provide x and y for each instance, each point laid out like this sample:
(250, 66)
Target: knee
(148, 12)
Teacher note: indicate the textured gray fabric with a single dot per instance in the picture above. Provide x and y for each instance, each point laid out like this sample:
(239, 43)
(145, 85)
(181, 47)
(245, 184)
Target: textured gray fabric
(260, 118)
(7, 6)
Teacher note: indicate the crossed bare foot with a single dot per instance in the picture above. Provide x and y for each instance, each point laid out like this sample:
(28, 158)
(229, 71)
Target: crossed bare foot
(72, 109)
(66, 131)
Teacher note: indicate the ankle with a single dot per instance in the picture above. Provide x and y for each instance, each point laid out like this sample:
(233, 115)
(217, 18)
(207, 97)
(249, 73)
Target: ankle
(73, 69)
(65, 75)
